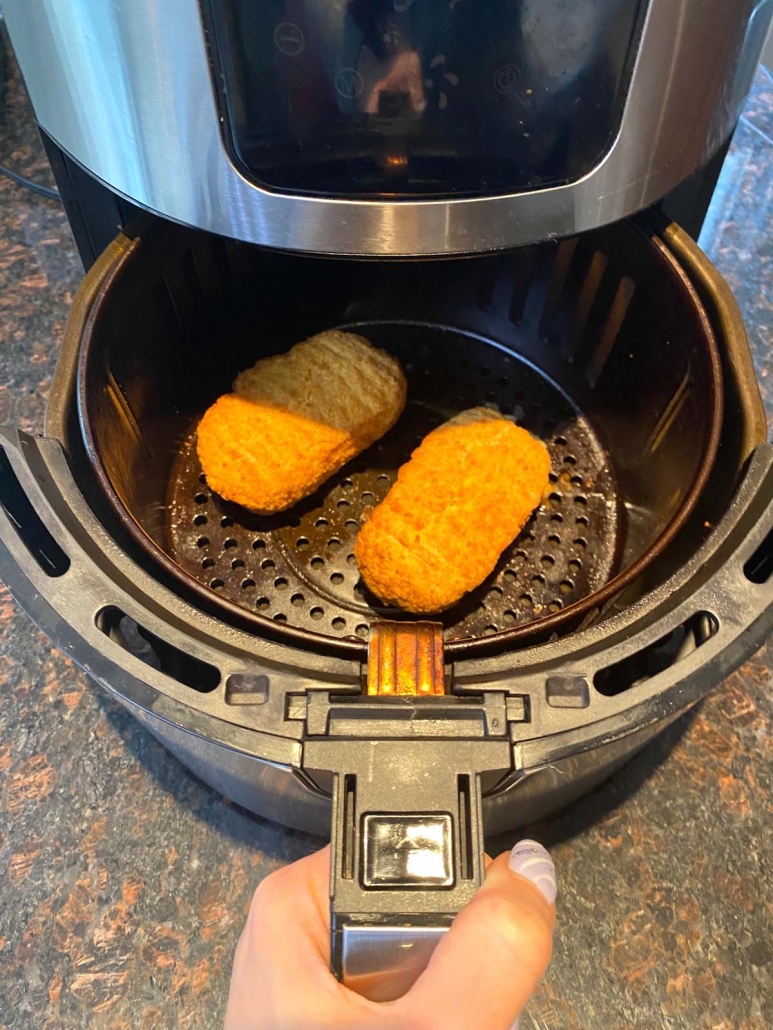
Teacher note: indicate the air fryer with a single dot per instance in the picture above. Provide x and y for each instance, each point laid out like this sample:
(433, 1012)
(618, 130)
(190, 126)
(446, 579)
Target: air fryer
(249, 645)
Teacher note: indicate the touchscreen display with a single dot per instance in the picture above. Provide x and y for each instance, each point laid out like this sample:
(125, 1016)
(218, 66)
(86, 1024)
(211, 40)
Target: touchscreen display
(420, 97)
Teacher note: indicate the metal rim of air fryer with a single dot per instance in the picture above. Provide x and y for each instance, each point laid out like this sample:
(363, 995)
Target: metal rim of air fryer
(541, 627)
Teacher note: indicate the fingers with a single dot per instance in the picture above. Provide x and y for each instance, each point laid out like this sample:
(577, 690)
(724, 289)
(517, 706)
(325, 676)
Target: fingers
(281, 976)
(371, 103)
(489, 963)
(293, 902)
(482, 973)
(416, 92)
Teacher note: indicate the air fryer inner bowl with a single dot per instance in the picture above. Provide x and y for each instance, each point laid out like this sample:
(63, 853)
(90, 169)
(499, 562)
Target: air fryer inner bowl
(599, 345)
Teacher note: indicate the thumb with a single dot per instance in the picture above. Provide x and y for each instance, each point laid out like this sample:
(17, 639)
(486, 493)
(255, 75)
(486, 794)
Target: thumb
(490, 962)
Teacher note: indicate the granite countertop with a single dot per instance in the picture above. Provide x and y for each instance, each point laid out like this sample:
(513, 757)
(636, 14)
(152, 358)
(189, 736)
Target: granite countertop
(125, 880)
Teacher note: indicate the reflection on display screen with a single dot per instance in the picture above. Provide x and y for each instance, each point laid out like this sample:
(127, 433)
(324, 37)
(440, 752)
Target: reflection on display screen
(429, 97)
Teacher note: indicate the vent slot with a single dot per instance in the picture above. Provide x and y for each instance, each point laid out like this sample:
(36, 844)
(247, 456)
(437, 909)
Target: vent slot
(759, 567)
(212, 271)
(157, 653)
(612, 327)
(558, 277)
(185, 294)
(349, 826)
(465, 829)
(673, 410)
(522, 283)
(590, 288)
(658, 657)
(487, 284)
(32, 531)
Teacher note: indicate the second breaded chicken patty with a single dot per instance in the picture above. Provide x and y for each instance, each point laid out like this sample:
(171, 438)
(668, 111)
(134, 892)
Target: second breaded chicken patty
(294, 419)
(465, 494)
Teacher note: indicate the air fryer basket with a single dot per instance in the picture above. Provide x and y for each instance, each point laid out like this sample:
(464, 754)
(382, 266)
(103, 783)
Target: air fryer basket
(599, 345)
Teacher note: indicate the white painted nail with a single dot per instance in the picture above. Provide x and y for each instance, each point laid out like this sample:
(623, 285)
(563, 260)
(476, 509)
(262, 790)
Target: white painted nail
(530, 859)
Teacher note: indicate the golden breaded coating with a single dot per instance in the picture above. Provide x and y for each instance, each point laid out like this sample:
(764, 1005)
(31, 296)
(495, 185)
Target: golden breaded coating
(267, 458)
(336, 378)
(294, 419)
(462, 498)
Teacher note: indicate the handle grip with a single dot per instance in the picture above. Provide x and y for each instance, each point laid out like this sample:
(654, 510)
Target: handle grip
(407, 834)
(407, 854)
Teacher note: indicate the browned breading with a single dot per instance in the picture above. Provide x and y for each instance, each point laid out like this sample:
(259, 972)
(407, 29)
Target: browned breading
(294, 419)
(465, 494)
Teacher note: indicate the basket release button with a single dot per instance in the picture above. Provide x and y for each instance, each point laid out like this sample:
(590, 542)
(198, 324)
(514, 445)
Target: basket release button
(408, 851)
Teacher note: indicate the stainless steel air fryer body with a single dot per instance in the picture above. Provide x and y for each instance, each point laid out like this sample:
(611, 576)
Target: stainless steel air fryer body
(389, 127)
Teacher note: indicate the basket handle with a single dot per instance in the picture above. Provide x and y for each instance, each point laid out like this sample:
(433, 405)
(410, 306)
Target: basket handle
(407, 835)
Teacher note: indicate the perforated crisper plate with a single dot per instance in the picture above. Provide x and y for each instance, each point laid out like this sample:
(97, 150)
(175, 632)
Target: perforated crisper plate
(298, 568)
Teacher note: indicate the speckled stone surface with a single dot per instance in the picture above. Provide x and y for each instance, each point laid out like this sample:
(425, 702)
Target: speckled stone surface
(125, 881)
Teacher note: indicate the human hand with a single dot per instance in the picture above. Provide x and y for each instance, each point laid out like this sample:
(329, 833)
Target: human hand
(404, 76)
(481, 974)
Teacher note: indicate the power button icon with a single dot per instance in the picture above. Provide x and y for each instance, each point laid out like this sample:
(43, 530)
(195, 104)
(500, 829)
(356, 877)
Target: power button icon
(506, 79)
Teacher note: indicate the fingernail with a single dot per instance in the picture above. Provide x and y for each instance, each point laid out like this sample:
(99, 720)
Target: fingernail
(530, 859)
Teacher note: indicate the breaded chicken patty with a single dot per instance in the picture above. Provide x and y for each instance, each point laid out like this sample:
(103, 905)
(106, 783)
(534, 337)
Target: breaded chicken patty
(465, 494)
(294, 419)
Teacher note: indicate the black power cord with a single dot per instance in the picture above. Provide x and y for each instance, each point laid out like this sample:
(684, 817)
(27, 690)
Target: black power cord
(20, 180)
(36, 187)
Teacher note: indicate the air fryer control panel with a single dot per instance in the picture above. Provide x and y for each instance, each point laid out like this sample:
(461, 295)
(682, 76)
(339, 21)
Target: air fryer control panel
(420, 97)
